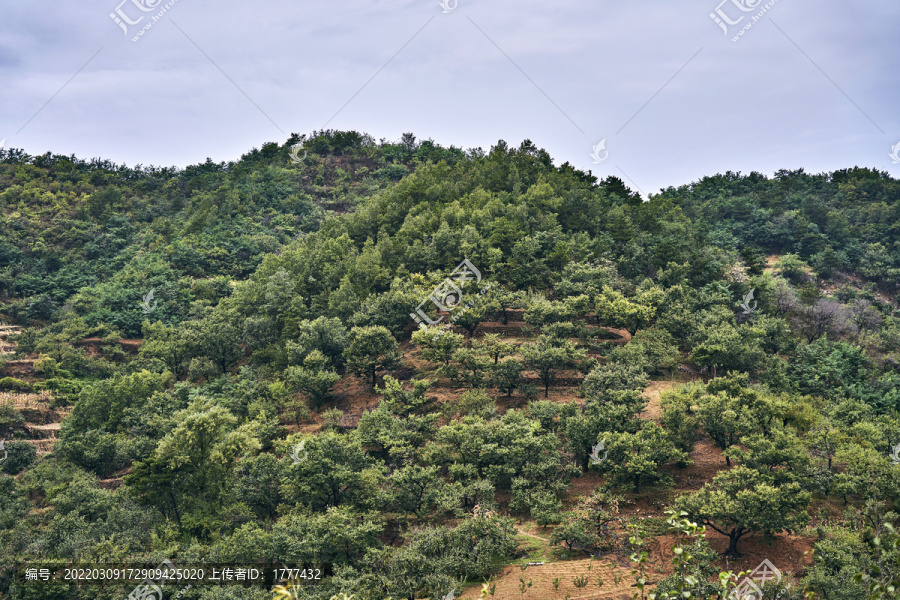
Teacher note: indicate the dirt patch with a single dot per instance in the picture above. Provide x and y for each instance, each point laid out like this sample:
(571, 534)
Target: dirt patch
(652, 393)
(789, 553)
(568, 573)
(20, 369)
(92, 345)
(707, 462)
(582, 486)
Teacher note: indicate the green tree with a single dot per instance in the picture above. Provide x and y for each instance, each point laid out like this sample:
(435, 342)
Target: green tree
(414, 489)
(370, 350)
(190, 470)
(742, 501)
(581, 426)
(779, 453)
(216, 336)
(637, 458)
(403, 402)
(111, 404)
(492, 346)
(395, 431)
(679, 416)
(503, 299)
(166, 343)
(611, 378)
(721, 344)
(18, 456)
(548, 358)
(616, 310)
(545, 312)
(437, 343)
(313, 379)
(473, 364)
(470, 316)
(257, 483)
(329, 336)
(728, 412)
(333, 470)
(507, 375)
(591, 525)
(653, 349)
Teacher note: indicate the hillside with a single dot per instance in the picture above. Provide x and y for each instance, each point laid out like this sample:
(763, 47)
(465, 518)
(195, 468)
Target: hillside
(224, 364)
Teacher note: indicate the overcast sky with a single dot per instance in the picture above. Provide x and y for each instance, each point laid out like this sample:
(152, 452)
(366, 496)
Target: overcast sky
(812, 84)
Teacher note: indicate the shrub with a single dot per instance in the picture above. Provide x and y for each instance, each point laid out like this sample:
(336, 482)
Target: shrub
(10, 418)
(529, 390)
(11, 384)
(19, 456)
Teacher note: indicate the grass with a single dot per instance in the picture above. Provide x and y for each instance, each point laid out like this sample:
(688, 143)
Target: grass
(535, 550)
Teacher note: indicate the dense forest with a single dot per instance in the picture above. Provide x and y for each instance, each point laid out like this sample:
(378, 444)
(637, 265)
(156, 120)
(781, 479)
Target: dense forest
(432, 372)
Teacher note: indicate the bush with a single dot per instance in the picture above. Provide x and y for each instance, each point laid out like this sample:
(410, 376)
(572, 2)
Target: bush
(11, 384)
(392, 172)
(313, 379)
(64, 390)
(654, 350)
(793, 268)
(202, 368)
(506, 375)
(329, 336)
(477, 402)
(611, 378)
(529, 390)
(19, 456)
(96, 451)
(46, 366)
(10, 419)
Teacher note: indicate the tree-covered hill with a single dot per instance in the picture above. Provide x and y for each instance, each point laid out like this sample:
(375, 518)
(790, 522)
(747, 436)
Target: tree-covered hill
(222, 364)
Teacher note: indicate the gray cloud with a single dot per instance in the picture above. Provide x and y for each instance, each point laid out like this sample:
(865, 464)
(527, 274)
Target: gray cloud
(209, 79)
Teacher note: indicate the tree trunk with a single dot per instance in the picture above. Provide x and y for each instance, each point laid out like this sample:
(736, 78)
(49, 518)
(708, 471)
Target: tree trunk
(175, 508)
(733, 538)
